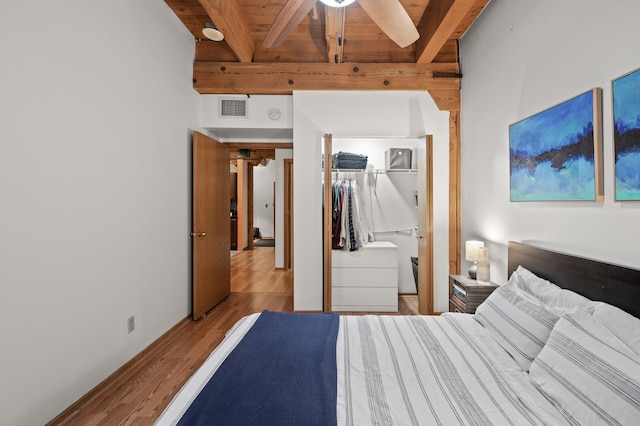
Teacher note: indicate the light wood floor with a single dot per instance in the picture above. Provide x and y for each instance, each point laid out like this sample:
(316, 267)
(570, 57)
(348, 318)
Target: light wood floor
(137, 393)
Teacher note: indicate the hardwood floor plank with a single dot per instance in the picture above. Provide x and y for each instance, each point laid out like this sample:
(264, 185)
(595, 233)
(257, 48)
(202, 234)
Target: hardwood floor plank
(139, 391)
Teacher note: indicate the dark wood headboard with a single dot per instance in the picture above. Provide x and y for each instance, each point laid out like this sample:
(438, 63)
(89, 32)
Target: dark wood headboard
(613, 284)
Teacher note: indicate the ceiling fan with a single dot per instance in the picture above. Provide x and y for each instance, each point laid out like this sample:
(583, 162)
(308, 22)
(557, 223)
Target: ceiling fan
(389, 15)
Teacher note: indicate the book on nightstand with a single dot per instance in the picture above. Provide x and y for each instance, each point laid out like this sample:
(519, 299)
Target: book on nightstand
(465, 294)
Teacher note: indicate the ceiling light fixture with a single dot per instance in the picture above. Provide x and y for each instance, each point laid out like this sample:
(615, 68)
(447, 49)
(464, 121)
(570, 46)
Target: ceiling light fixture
(211, 32)
(337, 3)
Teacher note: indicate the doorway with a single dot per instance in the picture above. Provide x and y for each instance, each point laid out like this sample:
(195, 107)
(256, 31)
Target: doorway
(405, 229)
(246, 157)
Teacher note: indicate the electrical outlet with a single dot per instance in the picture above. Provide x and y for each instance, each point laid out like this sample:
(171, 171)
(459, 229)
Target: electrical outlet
(131, 323)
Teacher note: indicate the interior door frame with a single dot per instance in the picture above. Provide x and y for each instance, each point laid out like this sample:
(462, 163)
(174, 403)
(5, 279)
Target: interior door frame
(250, 209)
(425, 226)
(288, 213)
(425, 243)
(327, 217)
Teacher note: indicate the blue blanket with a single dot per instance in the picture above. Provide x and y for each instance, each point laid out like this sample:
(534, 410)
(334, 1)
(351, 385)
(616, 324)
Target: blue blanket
(283, 372)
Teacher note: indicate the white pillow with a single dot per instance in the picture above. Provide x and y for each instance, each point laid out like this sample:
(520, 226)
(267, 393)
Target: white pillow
(519, 322)
(624, 326)
(588, 373)
(548, 292)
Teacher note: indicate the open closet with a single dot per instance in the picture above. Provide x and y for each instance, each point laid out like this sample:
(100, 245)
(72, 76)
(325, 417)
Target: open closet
(377, 217)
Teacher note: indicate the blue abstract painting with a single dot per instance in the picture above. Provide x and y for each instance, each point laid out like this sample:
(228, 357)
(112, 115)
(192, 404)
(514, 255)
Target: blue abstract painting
(626, 135)
(555, 154)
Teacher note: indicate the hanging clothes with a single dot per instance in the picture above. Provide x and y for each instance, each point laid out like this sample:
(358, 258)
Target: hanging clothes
(349, 226)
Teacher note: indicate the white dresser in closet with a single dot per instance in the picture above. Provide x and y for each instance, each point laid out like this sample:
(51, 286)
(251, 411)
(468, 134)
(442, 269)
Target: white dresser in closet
(365, 279)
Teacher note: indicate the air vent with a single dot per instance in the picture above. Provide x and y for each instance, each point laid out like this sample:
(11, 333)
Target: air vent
(233, 108)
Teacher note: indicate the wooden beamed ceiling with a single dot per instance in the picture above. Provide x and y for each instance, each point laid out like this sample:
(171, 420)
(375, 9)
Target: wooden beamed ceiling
(330, 49)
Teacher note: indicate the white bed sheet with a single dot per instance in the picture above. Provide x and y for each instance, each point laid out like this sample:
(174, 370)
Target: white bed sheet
(404, 370)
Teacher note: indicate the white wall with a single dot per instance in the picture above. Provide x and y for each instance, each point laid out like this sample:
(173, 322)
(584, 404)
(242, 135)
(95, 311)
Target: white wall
(520, 58)
(257, 126)
(359, 114)
(263, 198)
(96, 106)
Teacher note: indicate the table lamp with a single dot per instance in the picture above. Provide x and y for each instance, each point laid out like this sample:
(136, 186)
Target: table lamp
(471, 254)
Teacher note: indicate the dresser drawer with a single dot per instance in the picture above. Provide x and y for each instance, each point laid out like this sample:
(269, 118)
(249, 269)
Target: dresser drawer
(365, 258)
(364, 296)
(364, 277)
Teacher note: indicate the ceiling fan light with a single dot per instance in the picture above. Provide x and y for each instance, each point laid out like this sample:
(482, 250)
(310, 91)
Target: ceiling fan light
(337, 3)
(212, 33)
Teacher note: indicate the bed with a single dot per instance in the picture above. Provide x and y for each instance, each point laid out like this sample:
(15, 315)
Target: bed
(534, 353)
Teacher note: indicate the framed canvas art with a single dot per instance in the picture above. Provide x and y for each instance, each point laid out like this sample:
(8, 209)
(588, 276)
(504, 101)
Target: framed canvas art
(626, 135)
(556, 155)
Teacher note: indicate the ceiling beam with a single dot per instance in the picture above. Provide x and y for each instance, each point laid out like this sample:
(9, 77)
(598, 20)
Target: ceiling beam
(333, 18)
(284, 78)
(440, 20)
(227, 17)
(446, 99)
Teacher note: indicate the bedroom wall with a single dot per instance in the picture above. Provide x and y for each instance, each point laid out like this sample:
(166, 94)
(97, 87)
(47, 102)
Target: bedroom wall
(359, 114)
(520, 58)
(94, 193)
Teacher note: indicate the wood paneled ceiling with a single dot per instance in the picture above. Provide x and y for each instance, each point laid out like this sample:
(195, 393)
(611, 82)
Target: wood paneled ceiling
(330, 49)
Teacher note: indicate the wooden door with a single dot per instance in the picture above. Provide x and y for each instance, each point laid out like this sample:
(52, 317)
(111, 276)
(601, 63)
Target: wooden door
(211, 231)
(425, 225)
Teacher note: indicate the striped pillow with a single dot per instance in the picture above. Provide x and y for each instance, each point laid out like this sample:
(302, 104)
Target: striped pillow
(592, 376)
(549, 293)
(519, 322)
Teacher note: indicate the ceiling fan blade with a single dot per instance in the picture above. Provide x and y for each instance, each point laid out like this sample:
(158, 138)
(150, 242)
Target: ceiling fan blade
(392, 19)
(287, 20)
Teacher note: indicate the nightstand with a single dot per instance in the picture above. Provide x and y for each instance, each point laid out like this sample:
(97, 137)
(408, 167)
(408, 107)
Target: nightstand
(466, 294)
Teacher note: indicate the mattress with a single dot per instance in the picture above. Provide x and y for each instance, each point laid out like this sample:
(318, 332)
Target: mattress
(397, 370)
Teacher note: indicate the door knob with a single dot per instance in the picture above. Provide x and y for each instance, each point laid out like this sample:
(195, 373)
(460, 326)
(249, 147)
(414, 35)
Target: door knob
(198, 234)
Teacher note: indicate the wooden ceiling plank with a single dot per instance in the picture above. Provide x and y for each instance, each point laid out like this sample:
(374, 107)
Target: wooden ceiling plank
(227, 17)
(440, 20)
(310, 50)
(283, 78)
(472, 15)
(291, 14)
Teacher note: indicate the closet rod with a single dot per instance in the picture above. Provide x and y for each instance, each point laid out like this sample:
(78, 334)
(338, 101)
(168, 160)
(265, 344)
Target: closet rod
(397, 231)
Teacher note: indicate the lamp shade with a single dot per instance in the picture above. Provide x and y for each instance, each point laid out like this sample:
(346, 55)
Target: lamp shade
(471, 249)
